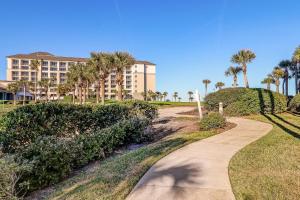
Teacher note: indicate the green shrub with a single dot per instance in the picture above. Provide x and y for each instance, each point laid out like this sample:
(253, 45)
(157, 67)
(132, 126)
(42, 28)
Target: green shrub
(53, 158)
(212, 120)
(23, 125)
(294, 104)
(243, 101)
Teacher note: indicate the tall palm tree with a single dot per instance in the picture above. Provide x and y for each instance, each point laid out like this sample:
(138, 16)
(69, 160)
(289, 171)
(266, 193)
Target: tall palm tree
(206, 82)
(190, 93)
(296, 60)
(219, 85)
(165, 94)
(175, 95)
(268, 81)
(34, 65)
(285, 65)
(158, 94)
(77, 73)
(13, 88)
(103, 64)
(45, 84)
(277, 73)
(179, 99)
(121, 61)
(23, 84)
(243, 57)
(72, 82)
(233, 71)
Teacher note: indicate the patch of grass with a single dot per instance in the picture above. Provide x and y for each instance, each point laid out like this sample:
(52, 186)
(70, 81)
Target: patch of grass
(115, 177)
(270, 167)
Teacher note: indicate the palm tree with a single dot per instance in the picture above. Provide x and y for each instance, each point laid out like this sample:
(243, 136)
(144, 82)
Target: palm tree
(72, 82)
(219, 85)
(179, 99)
(190, 93)
(152, 95)
(286, 65)
(13, 88)
(62, 89)
(268, 80)
(121, 61)
(34, 65)
(175, 95)
(296, 60)
(102, 64)
(77, 73)
(165, 94)
(233, 71)
(277, 73)
(206, 82)
(158, 95)
(243, 57)
(45, 84)
(23, 84)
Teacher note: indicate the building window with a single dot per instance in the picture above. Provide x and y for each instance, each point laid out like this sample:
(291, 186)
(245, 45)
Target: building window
(32, 73)
(44, 68)
(53, 64)
(15, 78)
(15, 73)
(15, 62)
(24, 62)
(45, 63)
(44, 74)
(25, 67)
(62, 75)
(53, 68)
(24, 73)
(25, 78)
(62, 69)
(70, 63)
(62, 80)
(15, 67)
(62, 64)
(53, 74)
(32, 78)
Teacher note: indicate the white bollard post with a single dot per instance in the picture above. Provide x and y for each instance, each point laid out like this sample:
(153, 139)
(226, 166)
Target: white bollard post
(199, 104)
(221, 108)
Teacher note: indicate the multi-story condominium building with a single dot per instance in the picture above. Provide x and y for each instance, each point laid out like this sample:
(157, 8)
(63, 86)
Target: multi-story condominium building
(137, 79)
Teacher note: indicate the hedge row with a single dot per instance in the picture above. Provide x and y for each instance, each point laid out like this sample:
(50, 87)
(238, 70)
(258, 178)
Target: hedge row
(23, 125)
(243, 101)
(294, 104)
(80, 134)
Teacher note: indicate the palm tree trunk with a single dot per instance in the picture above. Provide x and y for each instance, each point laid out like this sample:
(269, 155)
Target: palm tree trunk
(287, 83)
(14, 96)
(80, 95)
(97, 92)
(24, 94)
(268, 86)
(205, 89)
(102, 83)
(235, 81)
(87, 91)
(277, 86)
(84, 94)
(245, 76)
(120, 97)
(73, 96)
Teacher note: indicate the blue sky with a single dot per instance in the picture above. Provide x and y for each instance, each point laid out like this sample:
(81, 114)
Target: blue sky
(189, 40)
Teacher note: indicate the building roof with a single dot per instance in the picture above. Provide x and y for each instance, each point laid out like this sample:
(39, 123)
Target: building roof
(49, 56)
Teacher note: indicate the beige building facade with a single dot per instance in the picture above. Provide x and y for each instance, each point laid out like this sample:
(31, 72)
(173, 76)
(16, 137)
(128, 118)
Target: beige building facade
(138, 79)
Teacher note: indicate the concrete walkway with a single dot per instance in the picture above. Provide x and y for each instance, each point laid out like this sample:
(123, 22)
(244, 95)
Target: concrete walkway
(199, 170)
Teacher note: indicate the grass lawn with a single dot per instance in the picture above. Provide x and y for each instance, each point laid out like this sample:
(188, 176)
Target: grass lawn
(270, 167)
(115, 177)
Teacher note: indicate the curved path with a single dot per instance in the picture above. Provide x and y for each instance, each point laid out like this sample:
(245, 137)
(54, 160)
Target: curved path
(199, 170)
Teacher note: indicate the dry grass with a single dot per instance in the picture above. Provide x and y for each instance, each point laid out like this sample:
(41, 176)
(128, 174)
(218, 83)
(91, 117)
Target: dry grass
(270, 167)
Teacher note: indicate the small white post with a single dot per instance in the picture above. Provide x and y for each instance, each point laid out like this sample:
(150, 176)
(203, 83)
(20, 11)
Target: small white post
(199, 104)
(221, 108)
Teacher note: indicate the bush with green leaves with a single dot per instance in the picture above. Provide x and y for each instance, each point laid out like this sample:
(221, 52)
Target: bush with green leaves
(294, 104)
(53, 158)
(244, 101)
(212, 120)
(23, 125)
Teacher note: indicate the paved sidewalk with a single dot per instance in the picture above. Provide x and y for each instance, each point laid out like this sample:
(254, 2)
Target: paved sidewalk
(199, 170)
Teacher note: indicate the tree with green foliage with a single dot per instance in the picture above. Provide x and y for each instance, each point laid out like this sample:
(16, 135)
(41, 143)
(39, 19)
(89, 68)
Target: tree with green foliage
(234, 71)
(165, 94)
(121, 61)
(13, 88)
(268, 81)
(286, 66)
(206, 82)
(34, 65)
(243, 57)
(219, 85)
(190, 94)
(24, 84)
(175, 95)
(296, 60)
(102, 64)
(45, 85)
(62, 89)
(277, 73)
